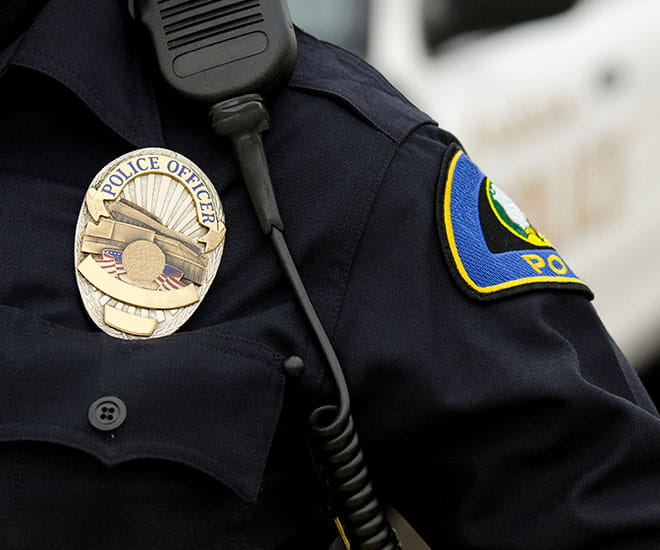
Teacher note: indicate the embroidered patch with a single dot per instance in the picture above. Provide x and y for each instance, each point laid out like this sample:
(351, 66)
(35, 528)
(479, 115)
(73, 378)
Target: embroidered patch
(490, 245)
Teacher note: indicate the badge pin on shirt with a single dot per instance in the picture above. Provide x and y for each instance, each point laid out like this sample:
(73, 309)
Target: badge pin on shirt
(148, 244)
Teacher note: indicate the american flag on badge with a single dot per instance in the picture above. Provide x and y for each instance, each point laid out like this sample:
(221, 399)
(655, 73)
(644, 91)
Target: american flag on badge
(170, 278)
(111, 262)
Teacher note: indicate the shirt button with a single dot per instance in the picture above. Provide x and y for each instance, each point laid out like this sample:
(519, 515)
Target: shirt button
(107, 413)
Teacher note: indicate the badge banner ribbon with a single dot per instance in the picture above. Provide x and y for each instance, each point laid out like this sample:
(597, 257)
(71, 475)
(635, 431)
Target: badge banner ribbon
(113, 183)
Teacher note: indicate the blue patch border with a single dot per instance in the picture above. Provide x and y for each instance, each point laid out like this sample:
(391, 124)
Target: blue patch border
(481, 273)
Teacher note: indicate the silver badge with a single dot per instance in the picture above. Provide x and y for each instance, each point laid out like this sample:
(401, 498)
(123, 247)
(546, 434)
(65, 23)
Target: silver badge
(148, 244)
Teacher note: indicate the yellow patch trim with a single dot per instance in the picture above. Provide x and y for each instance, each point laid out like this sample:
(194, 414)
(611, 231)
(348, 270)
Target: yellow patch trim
(457, 259)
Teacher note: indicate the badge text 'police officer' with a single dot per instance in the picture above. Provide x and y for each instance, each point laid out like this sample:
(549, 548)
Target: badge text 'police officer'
(148, 244)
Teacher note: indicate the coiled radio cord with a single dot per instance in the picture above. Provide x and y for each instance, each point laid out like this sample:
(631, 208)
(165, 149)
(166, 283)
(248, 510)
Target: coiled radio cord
(335, 441)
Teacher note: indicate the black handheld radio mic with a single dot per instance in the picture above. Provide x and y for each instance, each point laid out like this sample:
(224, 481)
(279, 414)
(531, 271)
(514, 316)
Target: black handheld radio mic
(214, 50)
(224, 53)
(217, 51)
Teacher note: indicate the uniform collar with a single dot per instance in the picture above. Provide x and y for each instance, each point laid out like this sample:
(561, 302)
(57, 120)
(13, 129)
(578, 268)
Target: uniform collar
(90, 47)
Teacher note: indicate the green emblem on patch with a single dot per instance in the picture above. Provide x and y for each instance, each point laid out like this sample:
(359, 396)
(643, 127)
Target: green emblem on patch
(511, 217)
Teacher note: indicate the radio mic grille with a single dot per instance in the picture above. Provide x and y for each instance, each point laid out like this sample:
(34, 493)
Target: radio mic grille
(209, 21)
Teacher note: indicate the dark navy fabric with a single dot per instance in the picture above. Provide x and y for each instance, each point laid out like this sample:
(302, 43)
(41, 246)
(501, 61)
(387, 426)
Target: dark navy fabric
(511, 424)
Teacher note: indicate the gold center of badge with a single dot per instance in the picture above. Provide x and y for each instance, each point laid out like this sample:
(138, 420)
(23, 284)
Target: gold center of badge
(149, 240)
(143, 262)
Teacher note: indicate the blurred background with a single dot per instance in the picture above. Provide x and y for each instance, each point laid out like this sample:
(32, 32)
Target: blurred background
(558, 101)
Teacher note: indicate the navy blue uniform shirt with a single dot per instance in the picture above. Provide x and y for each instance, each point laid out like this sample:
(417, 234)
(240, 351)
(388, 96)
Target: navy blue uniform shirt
(512, 423)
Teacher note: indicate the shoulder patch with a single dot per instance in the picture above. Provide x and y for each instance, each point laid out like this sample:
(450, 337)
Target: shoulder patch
(491, 247)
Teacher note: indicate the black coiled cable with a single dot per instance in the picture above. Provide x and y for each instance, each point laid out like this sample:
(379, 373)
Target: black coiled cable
(342, 461)
(338, 449)
(335, 440)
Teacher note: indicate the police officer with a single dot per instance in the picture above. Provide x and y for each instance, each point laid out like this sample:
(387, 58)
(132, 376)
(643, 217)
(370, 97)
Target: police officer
(494, 409)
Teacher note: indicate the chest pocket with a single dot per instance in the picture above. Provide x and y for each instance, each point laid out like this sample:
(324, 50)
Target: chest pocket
(183, 469)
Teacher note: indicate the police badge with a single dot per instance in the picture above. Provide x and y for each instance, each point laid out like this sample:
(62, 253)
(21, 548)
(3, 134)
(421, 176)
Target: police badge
(148, 243)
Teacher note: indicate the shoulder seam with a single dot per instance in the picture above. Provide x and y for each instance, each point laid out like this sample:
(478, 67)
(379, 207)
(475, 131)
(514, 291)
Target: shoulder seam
(344, 101)
(392, 114)
(364, 220)
(335, 300)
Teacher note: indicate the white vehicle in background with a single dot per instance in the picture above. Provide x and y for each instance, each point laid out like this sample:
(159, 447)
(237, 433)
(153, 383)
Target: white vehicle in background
(563, 112)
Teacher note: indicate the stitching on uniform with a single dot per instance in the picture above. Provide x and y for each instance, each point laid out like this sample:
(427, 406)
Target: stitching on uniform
(359, 112)
(164, 450)
(235, 352)
(71, 72)
(182, 454)
(343, 100)
(359, 232)
(335, 305)
(272, 354)
(93, 91)
(340, 52)
(13, 172)
(301, 81)
(231, 351)
(356, 236)
(260, 431)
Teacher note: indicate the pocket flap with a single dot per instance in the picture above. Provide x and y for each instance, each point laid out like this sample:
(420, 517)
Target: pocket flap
(204, 399)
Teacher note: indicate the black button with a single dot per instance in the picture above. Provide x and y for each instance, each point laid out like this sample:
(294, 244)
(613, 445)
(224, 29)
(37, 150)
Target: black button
(294, 366)
(107, 413)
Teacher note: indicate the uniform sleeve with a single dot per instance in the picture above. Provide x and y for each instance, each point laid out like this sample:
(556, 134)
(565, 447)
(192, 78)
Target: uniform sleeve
(511, 423)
